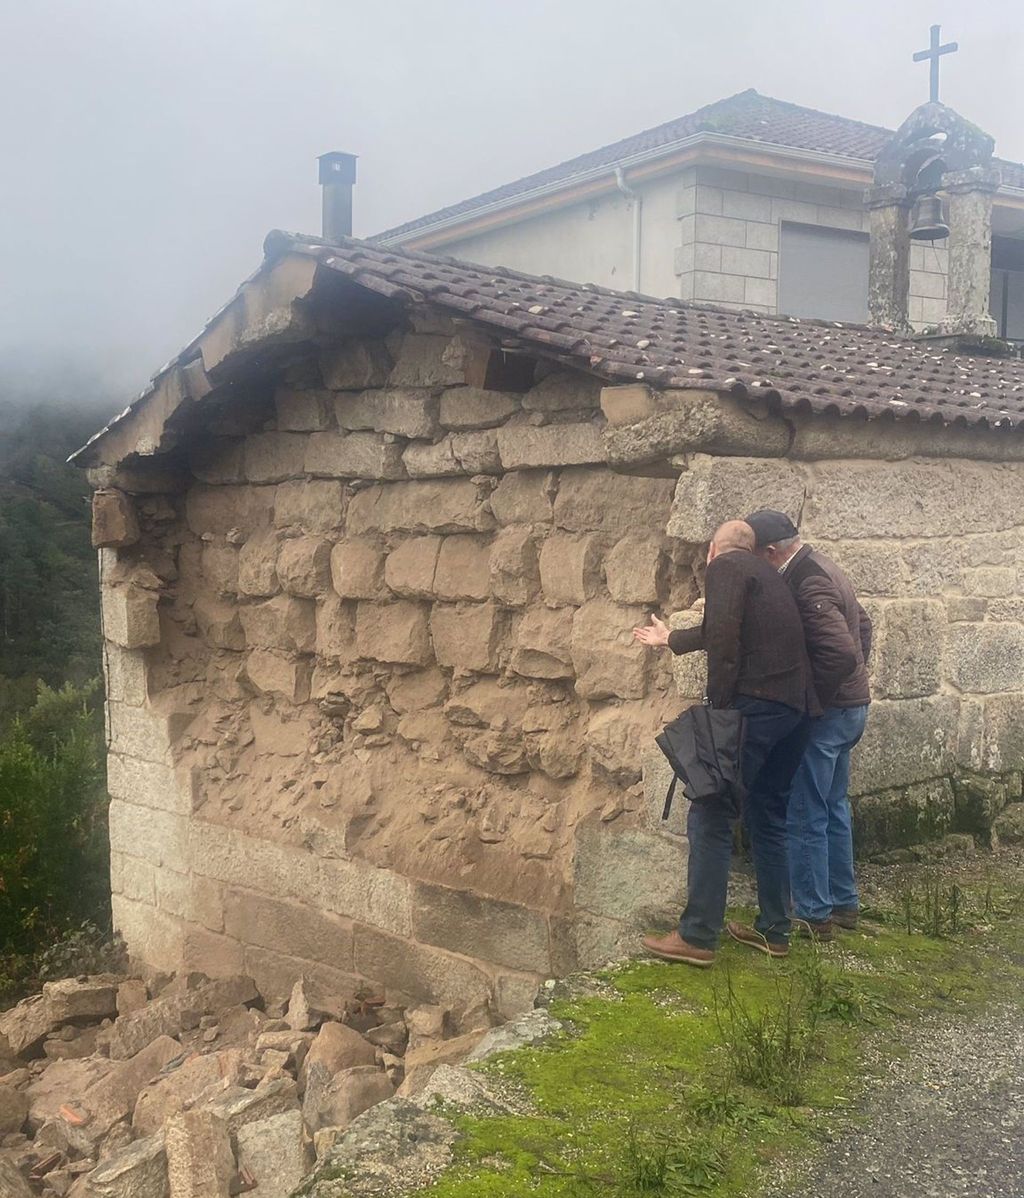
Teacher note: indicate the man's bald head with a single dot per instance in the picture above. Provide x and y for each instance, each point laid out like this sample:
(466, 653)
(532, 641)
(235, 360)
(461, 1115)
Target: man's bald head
(733, 534)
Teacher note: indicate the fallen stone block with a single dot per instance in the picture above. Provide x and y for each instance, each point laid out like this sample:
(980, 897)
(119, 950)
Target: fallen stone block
(50, 1091)
(393, 1147)
(86, 998)
(310, 1005)
(392, 1037)
(12, 1181)
(443, 1052)
(13, 1109)
(454, 1084)
(175, 1013)
(26, 1025)
(274, 1153)
(65, 1045)
(200, 1163)
(336, 1101)
(239, 1107)
(165, 1097)
(113, 1097)
(338, 1047)
(132, 995)
(426, 1022)
(138, 1170)
(292, 1045)
(535, 1027)
(68, 1000)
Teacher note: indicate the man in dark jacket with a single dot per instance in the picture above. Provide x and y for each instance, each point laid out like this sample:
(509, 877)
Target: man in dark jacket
(838, 634)
(756, 662)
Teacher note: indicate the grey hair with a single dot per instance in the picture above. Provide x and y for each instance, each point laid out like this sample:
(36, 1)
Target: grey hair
(787, 543)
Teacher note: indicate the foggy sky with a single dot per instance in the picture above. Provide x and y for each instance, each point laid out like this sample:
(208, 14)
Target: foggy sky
(147, 146)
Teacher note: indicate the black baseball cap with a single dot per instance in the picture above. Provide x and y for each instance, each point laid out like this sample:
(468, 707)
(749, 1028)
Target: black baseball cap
(770, 526)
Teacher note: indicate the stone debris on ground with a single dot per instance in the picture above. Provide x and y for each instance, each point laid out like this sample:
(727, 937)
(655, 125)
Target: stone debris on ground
(190, 1087)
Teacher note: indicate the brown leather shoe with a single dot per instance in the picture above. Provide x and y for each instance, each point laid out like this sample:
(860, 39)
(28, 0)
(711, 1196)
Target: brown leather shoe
(674, 948)
(846, 918)
(813, 931)
(752, 938)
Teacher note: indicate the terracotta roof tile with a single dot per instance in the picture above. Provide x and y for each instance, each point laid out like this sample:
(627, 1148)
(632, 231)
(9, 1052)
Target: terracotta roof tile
(747, 114)
(819, 366)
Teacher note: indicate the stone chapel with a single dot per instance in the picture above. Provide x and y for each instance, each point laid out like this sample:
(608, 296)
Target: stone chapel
(373, 544)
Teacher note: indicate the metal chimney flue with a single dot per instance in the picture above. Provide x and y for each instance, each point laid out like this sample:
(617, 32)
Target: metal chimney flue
(337, 178)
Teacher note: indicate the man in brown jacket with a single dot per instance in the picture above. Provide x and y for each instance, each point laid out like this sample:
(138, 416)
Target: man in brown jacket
(838, 634)
(756, 662)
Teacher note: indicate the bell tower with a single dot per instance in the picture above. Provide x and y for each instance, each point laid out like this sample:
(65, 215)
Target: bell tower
(936, 164)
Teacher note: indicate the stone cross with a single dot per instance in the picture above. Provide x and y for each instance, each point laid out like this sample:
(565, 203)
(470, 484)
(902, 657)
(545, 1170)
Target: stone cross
(934, 53)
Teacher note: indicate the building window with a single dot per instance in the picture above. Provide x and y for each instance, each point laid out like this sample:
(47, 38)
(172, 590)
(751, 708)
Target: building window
(823, 273)
(1006, 301)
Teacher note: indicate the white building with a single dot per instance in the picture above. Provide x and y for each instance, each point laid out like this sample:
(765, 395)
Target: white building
(749, 202)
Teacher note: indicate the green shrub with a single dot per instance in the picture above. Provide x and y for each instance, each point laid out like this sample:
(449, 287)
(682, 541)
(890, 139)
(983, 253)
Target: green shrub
(54, 862)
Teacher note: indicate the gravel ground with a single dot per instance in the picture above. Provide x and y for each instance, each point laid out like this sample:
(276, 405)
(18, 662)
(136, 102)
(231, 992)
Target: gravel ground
(947, 1123)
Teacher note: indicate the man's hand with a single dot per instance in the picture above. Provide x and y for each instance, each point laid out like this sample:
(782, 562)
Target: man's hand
(656, 635)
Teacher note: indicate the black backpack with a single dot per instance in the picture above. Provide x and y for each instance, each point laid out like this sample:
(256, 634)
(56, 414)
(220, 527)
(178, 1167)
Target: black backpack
(703, 747)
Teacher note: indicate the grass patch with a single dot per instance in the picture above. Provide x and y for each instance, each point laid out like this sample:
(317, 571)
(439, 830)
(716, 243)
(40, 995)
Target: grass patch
(684, 1082)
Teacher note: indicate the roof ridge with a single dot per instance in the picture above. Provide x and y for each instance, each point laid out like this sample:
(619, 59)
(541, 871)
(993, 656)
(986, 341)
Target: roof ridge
(832, 116)
(570, 167)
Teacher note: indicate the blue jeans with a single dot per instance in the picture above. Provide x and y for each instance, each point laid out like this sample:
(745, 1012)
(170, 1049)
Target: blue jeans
(820, 833)
(772, 747)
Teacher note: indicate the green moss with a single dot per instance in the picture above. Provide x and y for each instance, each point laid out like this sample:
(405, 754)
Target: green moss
(640, 1095)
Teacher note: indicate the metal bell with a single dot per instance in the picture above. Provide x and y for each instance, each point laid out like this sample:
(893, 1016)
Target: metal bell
(927, 219)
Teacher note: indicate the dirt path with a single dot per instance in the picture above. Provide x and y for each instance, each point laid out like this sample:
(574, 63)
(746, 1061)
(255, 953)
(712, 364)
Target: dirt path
(948, 1123)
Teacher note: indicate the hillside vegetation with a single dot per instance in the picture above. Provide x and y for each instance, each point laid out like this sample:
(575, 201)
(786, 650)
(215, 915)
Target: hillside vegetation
(53, 857)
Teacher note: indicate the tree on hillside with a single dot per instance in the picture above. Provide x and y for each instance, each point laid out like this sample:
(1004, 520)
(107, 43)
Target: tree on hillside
(49, 621)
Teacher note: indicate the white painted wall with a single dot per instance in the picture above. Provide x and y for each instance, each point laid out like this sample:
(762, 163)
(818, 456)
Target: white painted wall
(708, 234)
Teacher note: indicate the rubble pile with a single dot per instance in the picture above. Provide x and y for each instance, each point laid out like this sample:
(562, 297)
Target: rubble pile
(187, 1087)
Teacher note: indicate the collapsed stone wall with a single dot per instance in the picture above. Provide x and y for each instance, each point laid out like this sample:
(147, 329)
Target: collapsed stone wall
(375, 712)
